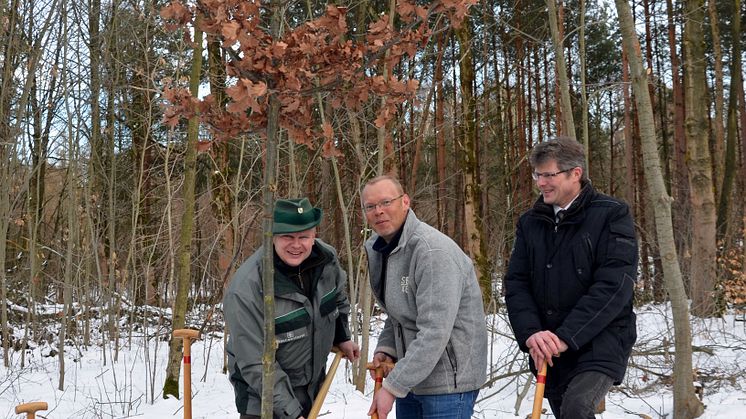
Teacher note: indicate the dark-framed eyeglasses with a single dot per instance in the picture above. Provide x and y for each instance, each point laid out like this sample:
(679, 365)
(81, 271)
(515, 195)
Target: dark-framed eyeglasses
(548, 175)
(383, 204)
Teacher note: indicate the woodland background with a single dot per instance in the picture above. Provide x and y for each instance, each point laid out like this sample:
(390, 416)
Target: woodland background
(140, 142)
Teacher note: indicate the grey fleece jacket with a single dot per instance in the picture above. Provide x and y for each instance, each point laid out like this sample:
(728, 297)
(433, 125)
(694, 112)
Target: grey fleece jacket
(436, 324)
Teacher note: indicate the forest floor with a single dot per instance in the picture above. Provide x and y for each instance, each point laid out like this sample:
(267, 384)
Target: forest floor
(130, 386)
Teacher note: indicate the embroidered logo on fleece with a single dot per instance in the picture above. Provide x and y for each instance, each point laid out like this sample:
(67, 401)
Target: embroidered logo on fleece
(405, 285)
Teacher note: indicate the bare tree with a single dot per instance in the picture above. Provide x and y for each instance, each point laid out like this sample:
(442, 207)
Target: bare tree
(568, 124)
(736, 89)
(718, 131)
(7, 150)
(704, 254)
(583, 87)
(474, 231)
(686, 403)
(183, 276)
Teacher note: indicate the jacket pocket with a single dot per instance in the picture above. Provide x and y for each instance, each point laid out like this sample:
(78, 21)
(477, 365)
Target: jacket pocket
(623, 244)
(582, 256)
(611, 345)
(576, 273)
(451, 355)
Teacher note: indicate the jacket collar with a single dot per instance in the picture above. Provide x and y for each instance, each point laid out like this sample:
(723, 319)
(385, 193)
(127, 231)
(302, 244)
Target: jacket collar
(319, 256)
(410, 225)
(576, 208)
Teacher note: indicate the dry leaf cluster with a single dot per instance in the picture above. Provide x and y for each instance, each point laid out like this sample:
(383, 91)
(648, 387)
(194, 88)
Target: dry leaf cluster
(319, 57)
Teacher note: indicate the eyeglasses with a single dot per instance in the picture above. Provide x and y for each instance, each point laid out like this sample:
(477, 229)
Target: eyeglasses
(383, 204)
(547, 176)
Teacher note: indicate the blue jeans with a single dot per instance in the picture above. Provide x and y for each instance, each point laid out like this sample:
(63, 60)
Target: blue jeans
(437, 406)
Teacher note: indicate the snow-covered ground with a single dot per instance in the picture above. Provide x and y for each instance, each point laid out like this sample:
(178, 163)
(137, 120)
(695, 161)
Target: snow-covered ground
(96, 387)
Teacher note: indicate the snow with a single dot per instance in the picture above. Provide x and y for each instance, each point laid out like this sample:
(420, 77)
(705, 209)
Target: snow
(96, 387)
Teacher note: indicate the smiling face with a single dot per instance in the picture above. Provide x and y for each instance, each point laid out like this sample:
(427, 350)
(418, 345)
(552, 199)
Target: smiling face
(560, 189)
(294, 248)
(385, 220)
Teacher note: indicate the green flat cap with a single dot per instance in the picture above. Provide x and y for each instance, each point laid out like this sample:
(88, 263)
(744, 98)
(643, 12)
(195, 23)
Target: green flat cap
(294, 215)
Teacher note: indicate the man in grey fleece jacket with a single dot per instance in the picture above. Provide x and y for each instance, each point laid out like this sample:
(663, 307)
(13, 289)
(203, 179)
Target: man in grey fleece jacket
(435, 329)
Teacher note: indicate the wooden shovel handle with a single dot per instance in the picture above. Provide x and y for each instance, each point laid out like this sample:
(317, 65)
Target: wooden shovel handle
(378, 378)
(319, 400)
(541, 379)
(30, 408)
(188, 335)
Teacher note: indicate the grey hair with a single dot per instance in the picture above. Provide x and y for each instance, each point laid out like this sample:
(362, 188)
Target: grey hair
(566, 151)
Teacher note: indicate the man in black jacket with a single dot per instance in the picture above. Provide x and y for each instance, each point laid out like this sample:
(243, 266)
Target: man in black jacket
(570, 282)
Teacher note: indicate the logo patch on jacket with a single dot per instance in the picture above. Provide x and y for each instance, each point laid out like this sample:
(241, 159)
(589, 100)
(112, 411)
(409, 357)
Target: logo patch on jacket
(291, 336)
(405, 285)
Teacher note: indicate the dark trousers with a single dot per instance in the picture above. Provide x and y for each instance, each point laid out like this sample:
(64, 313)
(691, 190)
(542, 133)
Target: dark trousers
(584, 392)
(301, 393)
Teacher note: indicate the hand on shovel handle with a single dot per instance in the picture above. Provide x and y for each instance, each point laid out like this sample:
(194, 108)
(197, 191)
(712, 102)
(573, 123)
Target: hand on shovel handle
(541, 380)
(378, 377)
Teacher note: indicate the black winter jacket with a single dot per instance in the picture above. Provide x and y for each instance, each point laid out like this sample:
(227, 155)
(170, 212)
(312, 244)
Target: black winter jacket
(576, 279)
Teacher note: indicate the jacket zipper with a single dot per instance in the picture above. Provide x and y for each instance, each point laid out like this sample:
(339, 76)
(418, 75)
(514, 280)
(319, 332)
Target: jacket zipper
(403, 342)
(590, 246)
(311, 300)
(454, 365)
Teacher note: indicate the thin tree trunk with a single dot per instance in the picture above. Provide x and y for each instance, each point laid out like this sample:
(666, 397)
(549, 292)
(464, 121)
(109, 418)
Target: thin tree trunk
(360, 287)
(385, 147)
(269, 186)
(583, 89)
(344, 215)
(71, 206)
(472, 187)
(736, 86)
(742, 109)
(440, 136)
(222, 176)
(704, 246)
(5, 166)
(171, 384)
(686, 403)
(268, 271)
(568, 124)
(680, 183)
(719, 99)
(629, 153)
(421, 132)
(7, 156)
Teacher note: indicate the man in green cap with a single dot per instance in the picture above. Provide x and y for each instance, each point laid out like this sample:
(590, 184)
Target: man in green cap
(311, 310)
